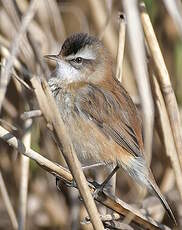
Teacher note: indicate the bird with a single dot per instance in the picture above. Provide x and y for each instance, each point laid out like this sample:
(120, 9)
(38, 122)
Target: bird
(99, 115)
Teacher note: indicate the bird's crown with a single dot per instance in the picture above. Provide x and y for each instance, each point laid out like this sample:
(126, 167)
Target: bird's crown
(77, 42)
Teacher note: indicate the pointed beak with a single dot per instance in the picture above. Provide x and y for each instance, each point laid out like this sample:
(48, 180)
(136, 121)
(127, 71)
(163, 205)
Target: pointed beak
(51, 57)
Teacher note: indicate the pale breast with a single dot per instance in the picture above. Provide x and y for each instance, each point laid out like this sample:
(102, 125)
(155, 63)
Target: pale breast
(80, 131)
(90, 144)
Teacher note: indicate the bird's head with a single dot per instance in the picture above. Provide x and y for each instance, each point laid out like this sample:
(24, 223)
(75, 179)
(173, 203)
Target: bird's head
(82, 58)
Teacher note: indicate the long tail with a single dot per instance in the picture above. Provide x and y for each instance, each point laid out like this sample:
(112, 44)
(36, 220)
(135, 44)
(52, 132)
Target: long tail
(143, 175)
(155, 189)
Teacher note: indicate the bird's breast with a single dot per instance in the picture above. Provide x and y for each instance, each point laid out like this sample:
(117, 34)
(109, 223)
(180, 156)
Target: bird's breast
(90, 144)
(65, 103)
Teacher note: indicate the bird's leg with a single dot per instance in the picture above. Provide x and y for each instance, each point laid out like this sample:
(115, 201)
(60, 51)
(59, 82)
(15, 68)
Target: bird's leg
(100, 187)
(110, 176)
(73, 183)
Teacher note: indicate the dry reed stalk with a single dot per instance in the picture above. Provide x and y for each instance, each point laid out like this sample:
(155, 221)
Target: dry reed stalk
(7, 105)
(52, 116)
(121, 46)
(108, 9)
(31, 114)
(17, 64)
(24, 51)
(23, 193)
(7, 202)
(56, 20)
(78, 13)
(43, 16)
(22, 4)
(174, 8)
(20, 80)
(111, 221)
(38, 55)
(13, 74)
(99, 16)
(3, 82)
(74, 209)
(168, 181)
(41, 39)
(15, 47)
(111, 202)
(24, 176)
(7, 125)
(119, 68)
(9, 7)
(39, 159)
(4, 41)
(5, 28)
(109, 217)
(164, 81)
(138, 59)
(5, 53)
(119, 206)
(167, 135)
(9, 108)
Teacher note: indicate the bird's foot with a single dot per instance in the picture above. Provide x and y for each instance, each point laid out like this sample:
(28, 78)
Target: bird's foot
(71, 184)
(98, 188)
(58, 183)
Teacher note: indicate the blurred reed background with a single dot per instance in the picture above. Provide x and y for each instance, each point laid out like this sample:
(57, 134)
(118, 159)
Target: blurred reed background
(42, 32)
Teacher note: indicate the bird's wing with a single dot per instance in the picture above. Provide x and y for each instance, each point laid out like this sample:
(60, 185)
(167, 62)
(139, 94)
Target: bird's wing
(108, 112)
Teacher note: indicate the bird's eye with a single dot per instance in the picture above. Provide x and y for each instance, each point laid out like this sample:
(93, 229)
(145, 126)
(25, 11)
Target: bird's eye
(78, 60)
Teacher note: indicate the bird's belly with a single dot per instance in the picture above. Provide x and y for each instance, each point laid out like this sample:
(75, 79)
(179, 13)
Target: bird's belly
(90, 144)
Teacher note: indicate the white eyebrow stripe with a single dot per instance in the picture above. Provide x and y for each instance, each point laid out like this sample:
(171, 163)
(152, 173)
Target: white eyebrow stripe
(84, 53)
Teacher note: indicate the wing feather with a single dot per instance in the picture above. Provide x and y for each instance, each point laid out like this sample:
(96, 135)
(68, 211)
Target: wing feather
(104, 109)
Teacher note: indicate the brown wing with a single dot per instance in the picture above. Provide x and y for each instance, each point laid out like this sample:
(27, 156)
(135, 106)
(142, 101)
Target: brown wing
(108, 112)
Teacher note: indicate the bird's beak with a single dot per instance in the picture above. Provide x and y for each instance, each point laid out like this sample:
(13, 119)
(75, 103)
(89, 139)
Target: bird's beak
(51, 57)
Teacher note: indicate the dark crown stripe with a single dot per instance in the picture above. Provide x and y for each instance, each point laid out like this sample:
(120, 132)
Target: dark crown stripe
(76, 42)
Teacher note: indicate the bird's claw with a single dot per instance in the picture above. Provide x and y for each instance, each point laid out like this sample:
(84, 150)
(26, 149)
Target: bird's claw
(71, 184)
(58, 184)
(98, 188)
(93, 184)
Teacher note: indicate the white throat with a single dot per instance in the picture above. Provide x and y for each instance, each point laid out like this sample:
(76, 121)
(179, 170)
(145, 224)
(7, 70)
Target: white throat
(67, 73)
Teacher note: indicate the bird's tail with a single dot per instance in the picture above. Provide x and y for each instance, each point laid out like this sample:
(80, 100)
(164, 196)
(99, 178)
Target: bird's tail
(139, 171)
(155, 189)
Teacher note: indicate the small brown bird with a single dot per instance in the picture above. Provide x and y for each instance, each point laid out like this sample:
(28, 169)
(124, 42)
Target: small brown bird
(101, 118)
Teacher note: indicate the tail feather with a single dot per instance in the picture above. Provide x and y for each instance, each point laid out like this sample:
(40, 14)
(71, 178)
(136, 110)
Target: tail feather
(154, 188)
(139, 171)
